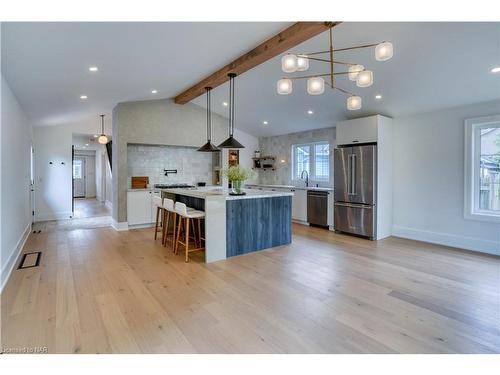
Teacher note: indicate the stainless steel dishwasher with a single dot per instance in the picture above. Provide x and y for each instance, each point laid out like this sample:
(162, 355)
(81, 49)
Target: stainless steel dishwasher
(317, 207)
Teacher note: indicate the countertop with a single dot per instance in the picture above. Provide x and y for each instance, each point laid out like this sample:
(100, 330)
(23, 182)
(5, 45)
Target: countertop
(143, 189)
(210, 191)
(292, 187)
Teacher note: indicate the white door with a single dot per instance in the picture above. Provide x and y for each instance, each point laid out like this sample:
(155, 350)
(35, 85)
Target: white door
(79, 177)
(90, 185)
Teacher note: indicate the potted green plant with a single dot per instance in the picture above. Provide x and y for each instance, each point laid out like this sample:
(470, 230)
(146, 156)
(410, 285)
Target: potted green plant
(237, 175)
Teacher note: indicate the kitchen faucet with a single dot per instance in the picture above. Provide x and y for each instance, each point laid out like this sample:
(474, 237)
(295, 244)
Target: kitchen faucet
(307, 177)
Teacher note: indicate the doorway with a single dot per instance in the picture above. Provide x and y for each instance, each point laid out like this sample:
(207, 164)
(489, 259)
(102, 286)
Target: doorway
(79, 177)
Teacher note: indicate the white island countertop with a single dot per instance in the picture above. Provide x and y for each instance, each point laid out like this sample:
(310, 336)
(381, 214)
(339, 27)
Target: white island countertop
(292, 187)
(211, 191)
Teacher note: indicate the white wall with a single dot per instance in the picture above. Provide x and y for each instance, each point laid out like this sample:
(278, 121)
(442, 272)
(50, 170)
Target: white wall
(429, 180)
(15, 224)
(53, 183)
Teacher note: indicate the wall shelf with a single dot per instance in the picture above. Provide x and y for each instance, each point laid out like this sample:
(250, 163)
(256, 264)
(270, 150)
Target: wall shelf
(264, 163)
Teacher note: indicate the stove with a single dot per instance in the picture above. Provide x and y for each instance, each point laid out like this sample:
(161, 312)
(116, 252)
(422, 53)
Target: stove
(173, 186)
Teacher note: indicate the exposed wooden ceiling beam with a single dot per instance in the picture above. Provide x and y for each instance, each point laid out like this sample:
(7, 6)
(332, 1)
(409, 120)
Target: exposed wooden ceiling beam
(288, 38)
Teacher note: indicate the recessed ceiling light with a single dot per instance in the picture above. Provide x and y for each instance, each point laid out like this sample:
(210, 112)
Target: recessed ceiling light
(224, 104)
(378, 96)
(83, 97)
(265, 122)
(154, 91)
(93, 69)
(496, 69)
(86, 144)
(310, 112)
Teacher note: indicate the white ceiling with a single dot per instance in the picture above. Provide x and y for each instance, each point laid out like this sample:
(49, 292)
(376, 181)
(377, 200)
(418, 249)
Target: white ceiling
(86, 142)
(435, 65)
(46, 64)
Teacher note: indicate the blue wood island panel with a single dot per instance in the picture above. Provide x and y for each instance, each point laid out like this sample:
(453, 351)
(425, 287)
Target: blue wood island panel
(257, 223)
(193, 202)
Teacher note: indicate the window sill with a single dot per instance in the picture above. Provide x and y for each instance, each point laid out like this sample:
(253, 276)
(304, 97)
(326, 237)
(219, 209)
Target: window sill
(492, 218)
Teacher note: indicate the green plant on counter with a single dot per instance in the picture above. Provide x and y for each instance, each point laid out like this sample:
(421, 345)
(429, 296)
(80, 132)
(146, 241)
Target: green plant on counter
(237, 174)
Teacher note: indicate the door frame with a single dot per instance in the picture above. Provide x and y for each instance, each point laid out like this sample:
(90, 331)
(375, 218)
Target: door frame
(72, 182)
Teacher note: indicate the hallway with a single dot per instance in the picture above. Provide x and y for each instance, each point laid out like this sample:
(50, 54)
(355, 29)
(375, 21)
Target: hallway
(90, 207)
(88, 213)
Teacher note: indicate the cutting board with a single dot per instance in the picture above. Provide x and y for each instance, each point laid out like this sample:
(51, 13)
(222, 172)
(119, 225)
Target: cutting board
(140, 182)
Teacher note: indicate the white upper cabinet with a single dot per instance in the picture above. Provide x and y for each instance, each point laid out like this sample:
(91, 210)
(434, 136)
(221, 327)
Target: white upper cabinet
(360, 130)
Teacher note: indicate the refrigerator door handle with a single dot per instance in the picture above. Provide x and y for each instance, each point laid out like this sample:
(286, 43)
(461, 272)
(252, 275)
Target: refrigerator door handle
(354, 205)
(353, 175)
(349, 168)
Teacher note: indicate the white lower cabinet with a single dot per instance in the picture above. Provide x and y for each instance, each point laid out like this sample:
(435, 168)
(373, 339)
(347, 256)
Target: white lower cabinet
(330, 209)
(299, 205)
(140, 207)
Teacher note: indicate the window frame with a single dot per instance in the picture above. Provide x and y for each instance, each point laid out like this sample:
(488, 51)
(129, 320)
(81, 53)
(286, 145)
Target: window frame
(312, 161)
(471, 169)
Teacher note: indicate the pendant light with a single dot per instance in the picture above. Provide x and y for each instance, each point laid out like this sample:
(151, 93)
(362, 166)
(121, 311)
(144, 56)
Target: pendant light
(102, 138)
(231, 142)
(209, 146)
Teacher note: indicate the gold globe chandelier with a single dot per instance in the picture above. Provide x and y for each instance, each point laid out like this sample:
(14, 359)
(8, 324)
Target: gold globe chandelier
(291, 63)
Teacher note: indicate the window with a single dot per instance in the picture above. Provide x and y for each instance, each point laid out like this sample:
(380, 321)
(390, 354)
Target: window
(314, 158)
(482, 168)
(77, 169)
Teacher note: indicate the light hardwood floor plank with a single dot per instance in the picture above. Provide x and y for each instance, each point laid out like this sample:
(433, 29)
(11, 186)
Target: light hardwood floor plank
(101, 291)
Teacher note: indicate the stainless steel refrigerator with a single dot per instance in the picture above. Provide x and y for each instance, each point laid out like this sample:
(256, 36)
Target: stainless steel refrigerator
(355, 185)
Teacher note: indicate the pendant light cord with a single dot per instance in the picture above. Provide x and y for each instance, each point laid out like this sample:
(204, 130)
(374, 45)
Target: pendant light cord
(209, 114)
(231, 103)
(102, 124)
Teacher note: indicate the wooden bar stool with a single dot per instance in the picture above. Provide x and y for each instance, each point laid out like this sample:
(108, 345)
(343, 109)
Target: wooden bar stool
(169, 212)
(159, 210)
(187, 217)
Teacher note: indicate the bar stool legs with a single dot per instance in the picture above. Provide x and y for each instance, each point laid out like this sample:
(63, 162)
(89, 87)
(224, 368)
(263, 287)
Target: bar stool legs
(156, 221)
(170, 217)
(186, 245)
(187, 228)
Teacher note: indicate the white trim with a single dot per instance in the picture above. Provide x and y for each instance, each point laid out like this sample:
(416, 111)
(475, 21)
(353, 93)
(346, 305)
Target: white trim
(300, 222)
(470, 146)
(8, 266)
(312, 161)
(119, 226)
(139, 226)
(461, 242)
(62, 215)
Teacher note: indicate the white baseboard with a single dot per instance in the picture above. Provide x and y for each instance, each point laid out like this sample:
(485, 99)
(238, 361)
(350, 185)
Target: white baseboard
(53, 216)
(300, 222)
(139, 226)
(119, 226)
(461, 242)
(8, 266)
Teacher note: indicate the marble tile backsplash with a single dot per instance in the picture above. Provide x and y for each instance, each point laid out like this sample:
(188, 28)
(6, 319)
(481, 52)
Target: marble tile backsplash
(150, 160)
(281, 147)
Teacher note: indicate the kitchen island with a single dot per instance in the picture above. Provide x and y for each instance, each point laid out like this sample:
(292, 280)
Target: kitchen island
(236, 225)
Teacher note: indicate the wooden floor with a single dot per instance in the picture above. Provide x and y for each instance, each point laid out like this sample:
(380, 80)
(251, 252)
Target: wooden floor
(89, 207)
(102, 291)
